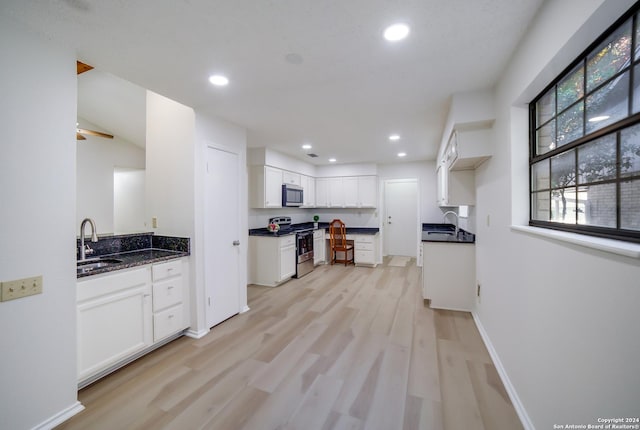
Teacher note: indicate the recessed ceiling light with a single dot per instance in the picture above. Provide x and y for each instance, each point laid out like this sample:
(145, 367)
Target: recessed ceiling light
(598, 118)
(402, 154)
(332, 160)
(394, 137)
(219, 80)
(306, 146)
(396, 32)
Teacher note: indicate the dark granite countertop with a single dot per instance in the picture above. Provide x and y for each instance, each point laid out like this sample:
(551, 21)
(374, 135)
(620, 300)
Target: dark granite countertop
(132, 250)
(446, 233)
(130, 259)
(309, 226)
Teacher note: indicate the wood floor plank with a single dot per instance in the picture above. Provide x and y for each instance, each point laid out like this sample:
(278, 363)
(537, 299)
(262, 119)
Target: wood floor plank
(341, 348)
(387, 410)
(316, 404)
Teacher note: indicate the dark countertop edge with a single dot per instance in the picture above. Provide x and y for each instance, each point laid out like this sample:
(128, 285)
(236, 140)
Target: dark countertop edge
(350, 230)
(129, 263)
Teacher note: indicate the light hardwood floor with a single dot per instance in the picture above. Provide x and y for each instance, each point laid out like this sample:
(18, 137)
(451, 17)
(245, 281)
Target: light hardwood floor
(341, 348)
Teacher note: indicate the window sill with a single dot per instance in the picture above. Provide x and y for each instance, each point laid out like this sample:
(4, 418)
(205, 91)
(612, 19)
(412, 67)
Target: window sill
(608, 245)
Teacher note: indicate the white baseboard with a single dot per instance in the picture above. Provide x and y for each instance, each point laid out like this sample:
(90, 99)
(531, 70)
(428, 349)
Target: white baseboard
(244, 309)
(196, 334)
(60, 417)
(513, 395)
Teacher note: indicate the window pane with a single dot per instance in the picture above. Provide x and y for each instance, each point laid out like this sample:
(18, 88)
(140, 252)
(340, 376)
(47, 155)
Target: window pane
(636, 89)
(563, 205)
(630, 205)
(571, 88)
(637, 36)
(597, 205)
(546, 138)
(570, 125)
(597, 160)
(630, 151)
(540, 175)
(609, 104)
(540, 203)
(563, 170)
(546, 107)
(610, 57)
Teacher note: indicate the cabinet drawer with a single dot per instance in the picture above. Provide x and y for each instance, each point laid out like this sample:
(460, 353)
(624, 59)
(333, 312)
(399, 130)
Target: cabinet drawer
(364, 257)
(165, 270)
(364, 239)
(318, 234)
(167, 293)
(287, 240)
(167, 322)
(364, 246)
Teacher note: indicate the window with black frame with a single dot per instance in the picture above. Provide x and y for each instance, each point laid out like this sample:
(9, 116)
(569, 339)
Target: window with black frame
(585, 140)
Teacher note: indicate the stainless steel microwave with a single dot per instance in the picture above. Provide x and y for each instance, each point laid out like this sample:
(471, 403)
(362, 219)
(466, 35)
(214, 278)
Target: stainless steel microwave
(292, 195)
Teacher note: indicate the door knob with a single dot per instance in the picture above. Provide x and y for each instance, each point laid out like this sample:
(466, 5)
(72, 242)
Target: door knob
(236, 243)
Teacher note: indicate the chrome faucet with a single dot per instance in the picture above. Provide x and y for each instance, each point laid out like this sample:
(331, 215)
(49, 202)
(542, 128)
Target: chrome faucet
(444, 219)
(94, 238)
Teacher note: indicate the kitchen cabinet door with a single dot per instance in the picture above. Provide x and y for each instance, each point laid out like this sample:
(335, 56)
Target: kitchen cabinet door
(272, 187)
(336, 193)
(350, 190)
(114, 319)
(319, 247)
(265, 187)
(322, 192)
(367, 191)
(291, 178)
(309, 191)
(287, 262)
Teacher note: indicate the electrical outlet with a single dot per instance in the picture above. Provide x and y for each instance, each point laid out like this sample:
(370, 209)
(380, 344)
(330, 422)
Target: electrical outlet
(154, 222)
(19, 288)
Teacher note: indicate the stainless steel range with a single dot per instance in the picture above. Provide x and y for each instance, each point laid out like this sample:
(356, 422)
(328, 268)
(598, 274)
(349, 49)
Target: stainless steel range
(304, 244)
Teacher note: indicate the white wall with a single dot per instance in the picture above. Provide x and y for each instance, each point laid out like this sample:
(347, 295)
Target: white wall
(563, 319)
(96, 159)
(169, 166)
(38, 228)
(217, 133)
(128, 200)
(425, 173)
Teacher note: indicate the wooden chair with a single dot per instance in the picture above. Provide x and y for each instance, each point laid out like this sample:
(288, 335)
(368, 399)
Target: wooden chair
(338, 241)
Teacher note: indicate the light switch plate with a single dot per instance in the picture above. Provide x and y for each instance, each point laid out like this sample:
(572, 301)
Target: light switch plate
(19, 288)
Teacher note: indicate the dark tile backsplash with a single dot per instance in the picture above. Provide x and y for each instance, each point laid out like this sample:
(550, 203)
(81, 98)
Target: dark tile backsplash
(134, 242)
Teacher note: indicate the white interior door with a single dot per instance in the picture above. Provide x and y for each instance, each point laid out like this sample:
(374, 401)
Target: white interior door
(401, 217)
(222, 250)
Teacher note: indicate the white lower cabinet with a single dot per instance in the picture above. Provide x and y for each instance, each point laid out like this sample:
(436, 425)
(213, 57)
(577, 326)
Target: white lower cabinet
(272, 259)
(168, 299)
(319, 247)
(114, 319)
(365, 249)
(121, 314)
(448, 275)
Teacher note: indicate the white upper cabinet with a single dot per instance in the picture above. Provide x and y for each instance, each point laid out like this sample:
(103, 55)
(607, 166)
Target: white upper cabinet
(360, 191)
(336, 193)
(367, 191)
(265, 187)
(350, 191)
(467, 149)
(291, 178)
(322, 192)
(309, 191)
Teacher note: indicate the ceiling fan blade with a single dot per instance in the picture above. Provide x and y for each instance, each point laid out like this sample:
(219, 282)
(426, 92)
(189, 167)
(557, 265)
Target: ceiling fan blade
(94, 133)
(80, 137)
(81, 67)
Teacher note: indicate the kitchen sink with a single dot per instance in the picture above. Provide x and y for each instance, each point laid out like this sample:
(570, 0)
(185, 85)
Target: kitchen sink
(96, 263)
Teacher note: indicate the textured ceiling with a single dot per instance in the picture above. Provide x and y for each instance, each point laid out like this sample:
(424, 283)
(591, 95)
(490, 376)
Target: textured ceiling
(346, 93)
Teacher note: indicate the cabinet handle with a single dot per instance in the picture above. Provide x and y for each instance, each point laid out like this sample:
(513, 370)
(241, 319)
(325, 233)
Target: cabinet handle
(236, 243)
